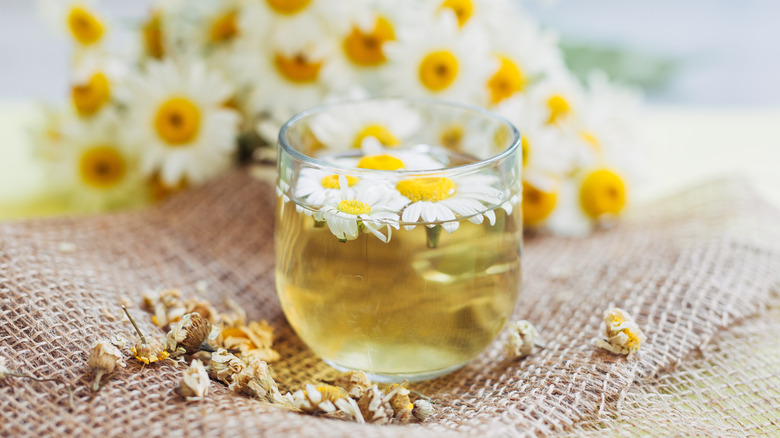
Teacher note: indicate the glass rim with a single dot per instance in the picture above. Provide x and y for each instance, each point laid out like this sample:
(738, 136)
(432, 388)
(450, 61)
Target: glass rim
(515, 138)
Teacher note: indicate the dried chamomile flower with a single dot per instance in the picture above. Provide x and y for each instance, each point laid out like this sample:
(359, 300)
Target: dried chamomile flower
(194, 384)
(400, 402)
(103, 360)
(375, 407)
(318, 399)
(166, 306)
(235, 318)
(255, 381)
(354, 382)
(145, 351)
(187, 335)
(253, 340)
(202, 307)
(623, 335)
(422, 409)
(350, 407)
(224, 366)
(522, 336)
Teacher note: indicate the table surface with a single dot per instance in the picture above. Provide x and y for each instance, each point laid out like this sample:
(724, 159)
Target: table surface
(682, 146)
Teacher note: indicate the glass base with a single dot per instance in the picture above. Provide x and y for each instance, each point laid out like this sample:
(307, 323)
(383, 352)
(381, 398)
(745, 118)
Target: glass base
(398, 378)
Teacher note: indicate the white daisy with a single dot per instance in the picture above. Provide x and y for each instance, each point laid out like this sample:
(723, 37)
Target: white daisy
(79, 19)
(440, 200)
(180, 122)
(368, 207)
(96, 84)
(375, 156)
(439, 61)
(485, 14)
(96, 168)
(315, 187)
(392, 123)
(559, 96)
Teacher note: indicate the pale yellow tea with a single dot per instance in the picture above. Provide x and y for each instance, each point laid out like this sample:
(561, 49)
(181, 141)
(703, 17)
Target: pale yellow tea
(400, 308)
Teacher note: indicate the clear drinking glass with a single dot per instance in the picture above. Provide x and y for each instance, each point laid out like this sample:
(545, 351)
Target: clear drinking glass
(398, 233)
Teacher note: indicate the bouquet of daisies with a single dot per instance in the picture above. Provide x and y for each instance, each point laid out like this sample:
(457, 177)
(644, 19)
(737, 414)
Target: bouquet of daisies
(207, 82)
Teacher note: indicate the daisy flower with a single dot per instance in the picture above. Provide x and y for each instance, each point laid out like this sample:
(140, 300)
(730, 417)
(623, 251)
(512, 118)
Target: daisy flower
(391, 123)
(368, 207)
(376, 157)
(485, 14)
(95, 84)
(180, 122)
(316, 187)
(96, 168)
(442, 199)
(559, 96)
(439, 61)
(78, 19)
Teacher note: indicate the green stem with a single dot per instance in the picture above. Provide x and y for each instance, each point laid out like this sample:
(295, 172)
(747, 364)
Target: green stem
(432, 235)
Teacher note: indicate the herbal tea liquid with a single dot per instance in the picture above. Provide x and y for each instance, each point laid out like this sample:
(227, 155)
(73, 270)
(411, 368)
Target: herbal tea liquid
(399, 308)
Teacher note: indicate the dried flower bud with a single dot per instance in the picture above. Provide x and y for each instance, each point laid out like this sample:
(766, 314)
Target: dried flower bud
(623, 335)
(522, 335)
(103, 360)
(187, 335)
(194, 384)
(255, 380)
(149, 352)
(255, 340)
(422, 409)
(400, 402)
(224, 366)
(354, 382)
(374, 407)
(166, 306)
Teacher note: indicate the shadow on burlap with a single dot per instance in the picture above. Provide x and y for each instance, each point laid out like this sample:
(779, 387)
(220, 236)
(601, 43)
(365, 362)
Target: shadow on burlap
(685, 268)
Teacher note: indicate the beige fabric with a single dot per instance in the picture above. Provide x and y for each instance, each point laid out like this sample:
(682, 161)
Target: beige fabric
(685, 269)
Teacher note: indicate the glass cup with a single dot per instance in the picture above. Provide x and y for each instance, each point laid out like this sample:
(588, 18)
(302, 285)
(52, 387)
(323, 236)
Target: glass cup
(398, 233)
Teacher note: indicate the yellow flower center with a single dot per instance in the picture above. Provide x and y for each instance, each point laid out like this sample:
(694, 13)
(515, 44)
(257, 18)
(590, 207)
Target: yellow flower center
(431, 189)
(102, 167)
(602, 192)
(525, 149)
(297, 69)
(380, 162)
(224, 28)
(591, 140)
(633, 341)
(558, 107)
(178, 121)
(152, 36)
(451, 137)
(354, 207)
(506, 81)
(366, 48)
(332, 181)
(85, 27)
(90, 97)
(379, 132)
(537, 204)
(438, 70)
(288, 7)
(463, 9)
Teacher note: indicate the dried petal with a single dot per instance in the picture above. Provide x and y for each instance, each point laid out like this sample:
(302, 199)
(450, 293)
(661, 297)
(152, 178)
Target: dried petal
(194, 384)
(522, 335)
(623, 335)
(224, 366)
(422, 409)
(374, 407)
(166, 306)
(118, 341)
(255, 381)
(149, 352)
(354, 382)
(320, 398)
(401, 404)
(202, 307)
(255, 340)
(187, 335)
(350, 407)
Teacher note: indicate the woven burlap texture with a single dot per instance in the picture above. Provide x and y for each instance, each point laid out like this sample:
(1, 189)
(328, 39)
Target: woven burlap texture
(685, 268)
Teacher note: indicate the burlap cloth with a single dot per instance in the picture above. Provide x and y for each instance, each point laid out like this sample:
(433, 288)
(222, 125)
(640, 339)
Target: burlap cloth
(686, 268)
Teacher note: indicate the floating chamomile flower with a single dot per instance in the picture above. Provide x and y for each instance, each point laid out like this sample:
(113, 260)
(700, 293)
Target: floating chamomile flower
(439, 199)
(347, 127)
(178, 120)
(440, 60)
(78, 19)
(315, 187)
(376, 157)
(96, 168)
(368, 207)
